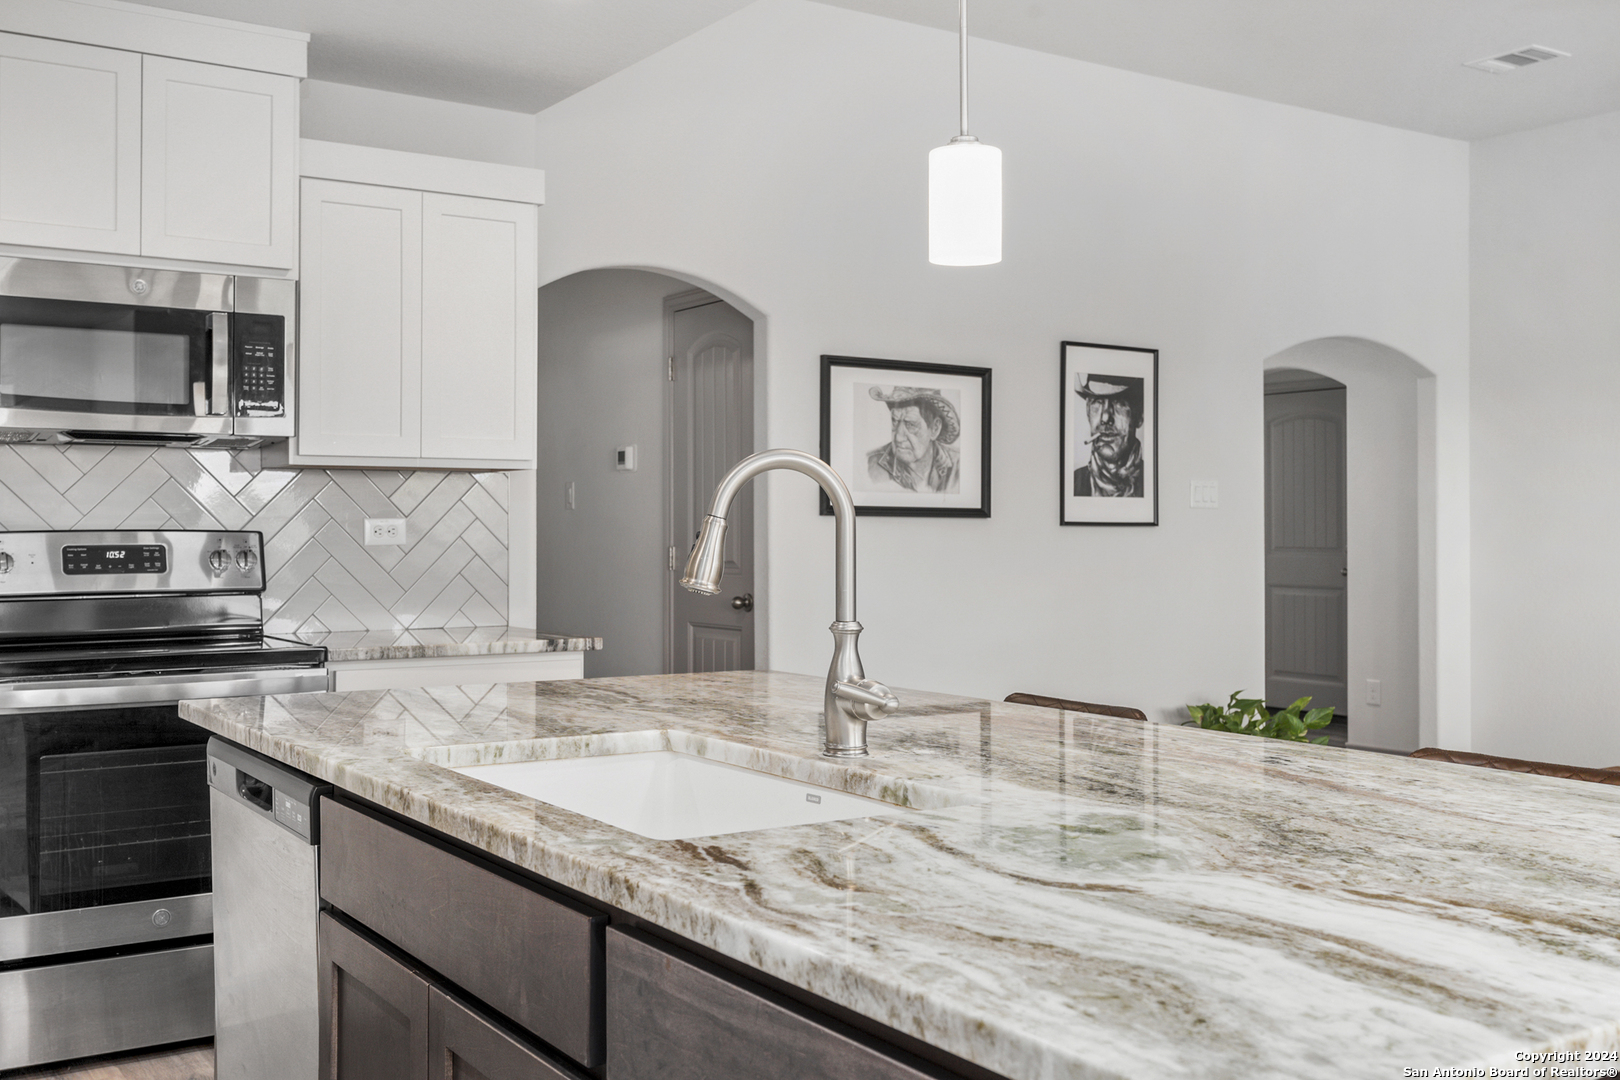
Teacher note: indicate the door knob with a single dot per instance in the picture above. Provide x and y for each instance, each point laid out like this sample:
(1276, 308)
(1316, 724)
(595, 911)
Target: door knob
(745, 602)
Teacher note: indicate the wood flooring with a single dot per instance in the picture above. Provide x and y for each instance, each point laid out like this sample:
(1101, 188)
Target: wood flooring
(185, 1063)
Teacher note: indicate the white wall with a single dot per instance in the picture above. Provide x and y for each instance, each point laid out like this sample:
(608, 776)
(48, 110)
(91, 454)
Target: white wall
(1546, 274)
(602, 568)
(336, 112)
(1382, 533)
(780, 154)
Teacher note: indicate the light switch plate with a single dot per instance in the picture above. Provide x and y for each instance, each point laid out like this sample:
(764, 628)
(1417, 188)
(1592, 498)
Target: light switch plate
(1206, 494)
(1375, 691)
(384, 532)
(624, 459)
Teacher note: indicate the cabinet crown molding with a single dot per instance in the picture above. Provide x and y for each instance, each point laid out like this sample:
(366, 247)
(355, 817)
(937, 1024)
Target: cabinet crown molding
(161, 32)
(421, 172)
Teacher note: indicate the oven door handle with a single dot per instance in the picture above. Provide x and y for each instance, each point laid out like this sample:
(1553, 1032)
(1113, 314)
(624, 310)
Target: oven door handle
(154, 689)
(219, 344)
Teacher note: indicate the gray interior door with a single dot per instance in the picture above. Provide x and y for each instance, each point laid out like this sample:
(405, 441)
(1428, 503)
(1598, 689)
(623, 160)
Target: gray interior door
(712, 428)
(1307, 632)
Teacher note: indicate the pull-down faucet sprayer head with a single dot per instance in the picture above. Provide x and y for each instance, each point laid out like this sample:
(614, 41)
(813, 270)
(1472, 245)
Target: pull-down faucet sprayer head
(707, 561)
(851, 700)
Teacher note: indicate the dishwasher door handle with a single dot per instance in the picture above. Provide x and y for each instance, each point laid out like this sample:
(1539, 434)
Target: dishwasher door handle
(253, 790)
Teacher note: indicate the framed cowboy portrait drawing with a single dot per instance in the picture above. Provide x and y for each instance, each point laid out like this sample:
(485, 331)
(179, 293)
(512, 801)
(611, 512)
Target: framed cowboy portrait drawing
(910, 439)
(1109, 435)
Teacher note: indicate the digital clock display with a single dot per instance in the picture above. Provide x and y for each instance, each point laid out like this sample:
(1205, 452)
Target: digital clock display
(141, 559)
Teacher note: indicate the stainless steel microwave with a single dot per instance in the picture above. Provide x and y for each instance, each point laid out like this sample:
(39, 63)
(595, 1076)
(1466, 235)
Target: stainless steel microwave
(111, 354)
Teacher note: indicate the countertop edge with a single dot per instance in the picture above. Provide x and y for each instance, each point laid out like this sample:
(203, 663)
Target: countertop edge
(353, 647)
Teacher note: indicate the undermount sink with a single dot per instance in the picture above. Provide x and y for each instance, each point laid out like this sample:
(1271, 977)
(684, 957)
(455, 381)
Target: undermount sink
(672, 785)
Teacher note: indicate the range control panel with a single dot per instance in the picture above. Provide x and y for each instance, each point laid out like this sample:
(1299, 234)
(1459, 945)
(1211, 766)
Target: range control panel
(115, 559)
(157, 561)
(259, 364)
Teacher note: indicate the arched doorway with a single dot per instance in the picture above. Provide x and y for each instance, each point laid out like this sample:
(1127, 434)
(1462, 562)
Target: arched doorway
(604, 560)
(1305, 529)
(1389, 573)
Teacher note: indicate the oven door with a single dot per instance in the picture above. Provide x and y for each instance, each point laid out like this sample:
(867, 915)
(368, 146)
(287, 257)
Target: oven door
(103, 831)
(96, 349)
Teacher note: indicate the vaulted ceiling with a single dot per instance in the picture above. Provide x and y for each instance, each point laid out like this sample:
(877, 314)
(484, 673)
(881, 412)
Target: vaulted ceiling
(1396, 62)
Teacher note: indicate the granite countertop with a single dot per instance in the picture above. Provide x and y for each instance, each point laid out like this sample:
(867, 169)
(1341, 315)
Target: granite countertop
(1118, 900)
(346, 645)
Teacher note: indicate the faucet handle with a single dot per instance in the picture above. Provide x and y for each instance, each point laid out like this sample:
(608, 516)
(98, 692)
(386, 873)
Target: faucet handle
(866, 699)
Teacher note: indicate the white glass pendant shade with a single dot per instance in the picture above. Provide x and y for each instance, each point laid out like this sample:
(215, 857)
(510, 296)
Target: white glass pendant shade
(964, 204)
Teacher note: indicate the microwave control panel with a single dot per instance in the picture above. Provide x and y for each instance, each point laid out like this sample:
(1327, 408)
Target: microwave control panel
(259, 364)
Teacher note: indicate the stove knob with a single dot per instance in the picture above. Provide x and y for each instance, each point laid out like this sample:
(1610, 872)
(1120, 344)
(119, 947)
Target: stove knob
(219, 560)
(246, 559)
(6, 563)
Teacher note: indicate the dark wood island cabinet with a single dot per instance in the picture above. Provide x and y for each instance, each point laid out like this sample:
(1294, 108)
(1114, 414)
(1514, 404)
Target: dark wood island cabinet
(439, 964)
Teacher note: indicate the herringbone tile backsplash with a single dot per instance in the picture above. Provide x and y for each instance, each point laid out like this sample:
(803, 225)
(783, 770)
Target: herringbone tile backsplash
(452, 573)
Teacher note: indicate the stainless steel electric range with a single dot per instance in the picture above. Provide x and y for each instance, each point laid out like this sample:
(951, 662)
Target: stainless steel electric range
(105, 911)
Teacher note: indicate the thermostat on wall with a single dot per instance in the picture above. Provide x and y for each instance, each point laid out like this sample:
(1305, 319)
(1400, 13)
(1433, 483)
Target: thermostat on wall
(624, 459)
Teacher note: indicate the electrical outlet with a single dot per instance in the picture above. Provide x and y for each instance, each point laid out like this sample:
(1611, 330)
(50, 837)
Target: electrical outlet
(382, 532)
(1375, 691)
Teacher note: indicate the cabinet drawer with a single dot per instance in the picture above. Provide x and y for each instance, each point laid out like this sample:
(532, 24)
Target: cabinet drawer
(675, 1017)
(533, 956)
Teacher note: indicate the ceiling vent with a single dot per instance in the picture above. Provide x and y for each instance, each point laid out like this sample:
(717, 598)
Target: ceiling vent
(1518, 58)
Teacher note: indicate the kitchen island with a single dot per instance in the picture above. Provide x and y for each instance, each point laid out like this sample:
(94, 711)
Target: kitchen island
(1108, 898)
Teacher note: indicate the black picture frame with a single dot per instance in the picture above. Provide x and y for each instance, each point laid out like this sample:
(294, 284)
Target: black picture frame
(1136, 372)
(843, 418)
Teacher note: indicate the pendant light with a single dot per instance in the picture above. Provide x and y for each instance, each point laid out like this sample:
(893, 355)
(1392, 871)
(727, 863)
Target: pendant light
(964, 191)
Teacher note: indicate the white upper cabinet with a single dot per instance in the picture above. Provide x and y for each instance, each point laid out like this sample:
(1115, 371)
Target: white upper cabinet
(478, 328)
(70, 146)
(360, 331)
(138, 131)
(417, 332)
(219, 152)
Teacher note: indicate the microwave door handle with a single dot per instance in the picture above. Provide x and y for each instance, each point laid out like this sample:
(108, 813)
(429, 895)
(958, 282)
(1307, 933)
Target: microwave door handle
(219, 334)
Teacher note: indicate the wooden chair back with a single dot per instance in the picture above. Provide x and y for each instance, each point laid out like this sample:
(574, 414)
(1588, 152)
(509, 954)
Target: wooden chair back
(1610, 775)
(1068, 705)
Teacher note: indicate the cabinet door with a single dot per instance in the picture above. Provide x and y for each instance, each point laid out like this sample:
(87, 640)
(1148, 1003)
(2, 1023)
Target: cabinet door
(360, 326)
(478, 328)
(70, 146)
(675, 1017)
(465, 1045)
(374, 1010)
(219, 176)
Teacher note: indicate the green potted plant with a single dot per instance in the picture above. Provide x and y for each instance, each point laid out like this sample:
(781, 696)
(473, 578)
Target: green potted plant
(1249, 716)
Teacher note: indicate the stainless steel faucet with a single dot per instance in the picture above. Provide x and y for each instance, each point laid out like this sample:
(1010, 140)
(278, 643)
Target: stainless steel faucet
(851, 700)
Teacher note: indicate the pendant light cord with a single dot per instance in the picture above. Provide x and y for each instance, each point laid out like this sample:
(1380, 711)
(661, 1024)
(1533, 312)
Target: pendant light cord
(962, 12)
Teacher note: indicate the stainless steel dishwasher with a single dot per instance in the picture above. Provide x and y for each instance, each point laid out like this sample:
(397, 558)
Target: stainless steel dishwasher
(266, 903)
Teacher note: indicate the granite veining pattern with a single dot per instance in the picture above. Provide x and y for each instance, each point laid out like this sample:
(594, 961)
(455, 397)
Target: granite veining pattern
(423, 643)
(1116, 899)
